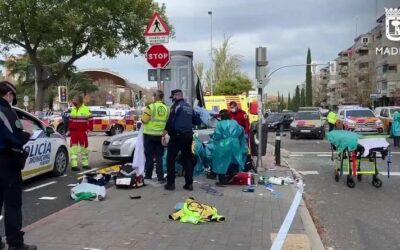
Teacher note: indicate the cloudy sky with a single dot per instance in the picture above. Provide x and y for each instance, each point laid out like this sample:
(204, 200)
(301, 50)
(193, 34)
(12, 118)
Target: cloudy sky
(286, 28)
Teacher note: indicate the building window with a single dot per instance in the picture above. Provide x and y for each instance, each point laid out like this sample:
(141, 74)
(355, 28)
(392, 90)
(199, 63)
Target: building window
(392, 68)
(363, 65)
(365, 40)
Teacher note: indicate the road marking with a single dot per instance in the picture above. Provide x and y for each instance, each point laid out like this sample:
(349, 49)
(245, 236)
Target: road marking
(308, 172)
(40, 186)
(324, 155)
(295, 155)
(391, 173)
(47, 198)
(71, 185)
(87, 171)
(64, 175)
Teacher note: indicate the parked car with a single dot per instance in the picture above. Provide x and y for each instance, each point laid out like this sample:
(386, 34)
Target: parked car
(122, 147)
(359, 119)
(385, 114)
(279, 121)
(48, 150)
(308, 123)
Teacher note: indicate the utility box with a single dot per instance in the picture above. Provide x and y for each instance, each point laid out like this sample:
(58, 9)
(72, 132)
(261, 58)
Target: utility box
(253, 132)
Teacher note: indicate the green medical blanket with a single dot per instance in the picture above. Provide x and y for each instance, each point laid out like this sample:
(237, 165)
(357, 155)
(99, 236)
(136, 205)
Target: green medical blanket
(343, 140)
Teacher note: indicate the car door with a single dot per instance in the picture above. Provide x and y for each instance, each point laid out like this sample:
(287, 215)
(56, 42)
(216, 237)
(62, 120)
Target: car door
(287, 119)
(39, 147)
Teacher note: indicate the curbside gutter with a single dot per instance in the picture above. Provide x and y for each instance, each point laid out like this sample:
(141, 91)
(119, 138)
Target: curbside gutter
(309, 226)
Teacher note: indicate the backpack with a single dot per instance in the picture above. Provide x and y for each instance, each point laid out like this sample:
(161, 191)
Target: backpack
(127, 177)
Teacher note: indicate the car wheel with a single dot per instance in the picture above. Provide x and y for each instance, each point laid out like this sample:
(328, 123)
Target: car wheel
(116, 130)
(60, 162)
(62, 129)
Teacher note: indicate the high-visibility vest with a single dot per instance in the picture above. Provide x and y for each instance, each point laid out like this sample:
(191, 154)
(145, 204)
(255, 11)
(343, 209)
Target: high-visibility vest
(332, 117)
(159, 117)
(79, 119)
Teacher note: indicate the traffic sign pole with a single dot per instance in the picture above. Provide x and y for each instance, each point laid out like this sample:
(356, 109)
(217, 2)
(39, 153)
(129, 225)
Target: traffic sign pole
(159, 76)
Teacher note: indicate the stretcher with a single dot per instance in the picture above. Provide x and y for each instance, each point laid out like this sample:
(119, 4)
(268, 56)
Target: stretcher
(361, 159)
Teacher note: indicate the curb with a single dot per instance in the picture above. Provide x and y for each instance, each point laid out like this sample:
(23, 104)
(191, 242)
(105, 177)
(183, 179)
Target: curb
(309, 226)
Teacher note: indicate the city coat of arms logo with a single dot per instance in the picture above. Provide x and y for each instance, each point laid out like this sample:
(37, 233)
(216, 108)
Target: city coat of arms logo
(393, 24)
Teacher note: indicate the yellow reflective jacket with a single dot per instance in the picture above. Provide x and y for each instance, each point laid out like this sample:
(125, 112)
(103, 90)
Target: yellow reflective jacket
(158, 113)
(195, 212)
(332, 117)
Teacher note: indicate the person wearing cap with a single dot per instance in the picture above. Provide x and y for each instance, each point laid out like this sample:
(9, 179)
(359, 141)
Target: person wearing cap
(154, 119)
(12, 140)
(179, 127)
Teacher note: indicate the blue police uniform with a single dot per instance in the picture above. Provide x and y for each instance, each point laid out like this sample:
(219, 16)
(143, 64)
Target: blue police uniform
(179, 126)
(12, 139)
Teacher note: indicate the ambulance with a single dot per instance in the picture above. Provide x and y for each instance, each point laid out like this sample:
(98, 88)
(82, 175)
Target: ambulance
(247, 104)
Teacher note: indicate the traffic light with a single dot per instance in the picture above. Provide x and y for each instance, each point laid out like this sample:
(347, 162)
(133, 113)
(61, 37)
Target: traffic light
(62, 94)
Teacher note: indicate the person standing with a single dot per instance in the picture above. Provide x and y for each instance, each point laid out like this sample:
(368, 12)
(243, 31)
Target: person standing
(395, 129)
(331, 117)
(240, 116)
(12, 140)
(154, 119)
(179, 126)
(78, 126)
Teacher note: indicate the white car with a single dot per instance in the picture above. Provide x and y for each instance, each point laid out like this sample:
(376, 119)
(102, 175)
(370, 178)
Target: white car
(48, 150)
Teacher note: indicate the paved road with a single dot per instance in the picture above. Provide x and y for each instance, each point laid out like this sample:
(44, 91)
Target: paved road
(45, 195)
(361, 218)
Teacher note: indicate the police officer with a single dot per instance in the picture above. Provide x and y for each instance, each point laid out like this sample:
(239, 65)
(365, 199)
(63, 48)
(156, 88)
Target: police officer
(331, 117)
(179, 126)
(12, 139)
(154, 119)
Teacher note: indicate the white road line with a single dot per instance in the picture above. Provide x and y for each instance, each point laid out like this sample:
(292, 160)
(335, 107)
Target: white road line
(71, 185)
(87, 171)
(40, 186)
(295, 155)
(308, 172)
(391, 173)
(324, 155)
(47, 198)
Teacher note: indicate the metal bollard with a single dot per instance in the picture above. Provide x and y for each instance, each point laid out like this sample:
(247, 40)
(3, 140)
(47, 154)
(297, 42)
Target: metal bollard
(278, 147)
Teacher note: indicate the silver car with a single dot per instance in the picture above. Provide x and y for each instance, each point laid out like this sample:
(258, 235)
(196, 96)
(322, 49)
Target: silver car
(120, 147)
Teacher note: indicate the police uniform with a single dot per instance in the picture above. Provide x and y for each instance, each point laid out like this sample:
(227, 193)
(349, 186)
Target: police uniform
(154, 119)
(179, 126)
(12, 140)
(78, 126)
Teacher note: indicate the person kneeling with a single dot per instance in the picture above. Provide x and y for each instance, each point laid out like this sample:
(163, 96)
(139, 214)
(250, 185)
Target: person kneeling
(230, 148)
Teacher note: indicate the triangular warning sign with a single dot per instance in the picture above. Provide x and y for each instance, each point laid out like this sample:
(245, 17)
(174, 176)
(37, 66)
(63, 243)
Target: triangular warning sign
(157, 26)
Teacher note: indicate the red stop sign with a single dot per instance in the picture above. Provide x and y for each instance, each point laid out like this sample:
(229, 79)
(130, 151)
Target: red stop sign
(158, 56)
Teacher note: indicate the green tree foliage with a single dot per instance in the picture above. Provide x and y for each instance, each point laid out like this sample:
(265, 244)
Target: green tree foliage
(308, 94)
(234, 86)
(69, 30)
(289, 102)
(303, 98)
(296, 99)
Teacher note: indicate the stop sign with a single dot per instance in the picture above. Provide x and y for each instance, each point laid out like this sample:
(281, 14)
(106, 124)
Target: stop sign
(158, 56)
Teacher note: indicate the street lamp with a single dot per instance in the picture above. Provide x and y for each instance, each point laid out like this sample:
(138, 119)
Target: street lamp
(211, 52)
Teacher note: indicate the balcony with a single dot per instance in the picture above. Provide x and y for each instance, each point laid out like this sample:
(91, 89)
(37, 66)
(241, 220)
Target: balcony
(363, 58)
(343, 60)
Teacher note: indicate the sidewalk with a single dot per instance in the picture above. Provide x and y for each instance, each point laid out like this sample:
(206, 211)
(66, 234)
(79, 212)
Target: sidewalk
(118, 222)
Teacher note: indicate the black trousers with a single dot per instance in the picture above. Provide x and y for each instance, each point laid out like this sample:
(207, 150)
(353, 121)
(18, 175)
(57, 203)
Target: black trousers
(180, 143)
(153, 148)
(396, 141)
(11, 198)
(331, 126)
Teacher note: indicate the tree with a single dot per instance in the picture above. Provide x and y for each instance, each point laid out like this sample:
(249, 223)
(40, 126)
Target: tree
(308, 94)
(234, 86)
(303, 98)
(296, 99)
(199, 69)
(289, 102)
(69, 30)
(226, 64)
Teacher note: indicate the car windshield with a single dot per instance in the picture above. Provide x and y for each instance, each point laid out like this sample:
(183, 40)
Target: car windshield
(394, 110)
(274, 117)
(307, 116)
(359, 113)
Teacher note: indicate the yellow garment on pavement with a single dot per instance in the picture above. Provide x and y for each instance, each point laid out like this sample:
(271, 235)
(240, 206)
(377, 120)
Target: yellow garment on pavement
(77, 150)
(195, 212)
(332, 117)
